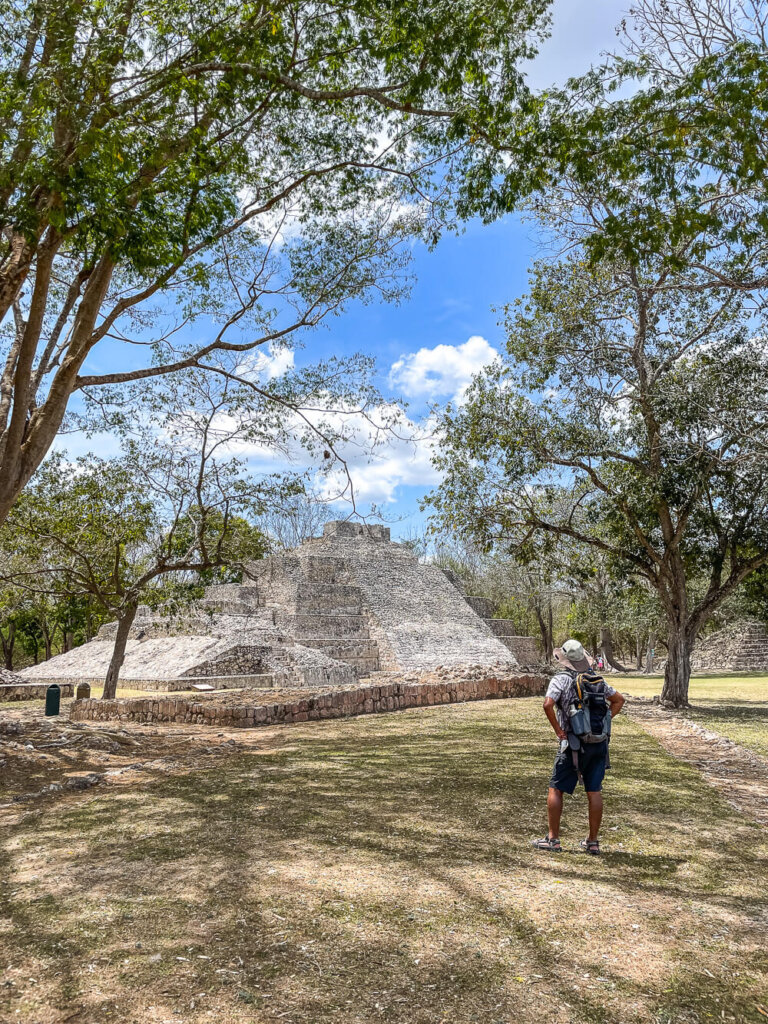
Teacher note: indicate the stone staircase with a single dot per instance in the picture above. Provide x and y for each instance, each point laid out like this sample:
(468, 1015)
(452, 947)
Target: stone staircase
(738, 647)
(329, 615)
(312, 600)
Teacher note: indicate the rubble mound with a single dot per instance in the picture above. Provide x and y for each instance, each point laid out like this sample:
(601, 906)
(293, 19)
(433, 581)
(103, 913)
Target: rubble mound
(8, 678)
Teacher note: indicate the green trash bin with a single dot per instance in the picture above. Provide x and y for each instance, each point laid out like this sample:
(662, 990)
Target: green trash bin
(53, 699)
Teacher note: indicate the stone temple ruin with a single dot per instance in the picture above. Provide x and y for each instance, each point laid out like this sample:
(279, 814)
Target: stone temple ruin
(340, 607)
(738, 647)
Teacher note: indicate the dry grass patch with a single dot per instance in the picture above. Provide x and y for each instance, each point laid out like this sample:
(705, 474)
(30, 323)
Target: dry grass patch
(379, 870)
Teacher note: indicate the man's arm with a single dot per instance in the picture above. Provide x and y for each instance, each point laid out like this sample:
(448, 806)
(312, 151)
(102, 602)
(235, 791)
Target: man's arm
(616, 700)
(549, 711)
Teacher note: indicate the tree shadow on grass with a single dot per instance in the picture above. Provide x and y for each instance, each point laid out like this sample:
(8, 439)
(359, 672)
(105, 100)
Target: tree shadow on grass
(293, 863)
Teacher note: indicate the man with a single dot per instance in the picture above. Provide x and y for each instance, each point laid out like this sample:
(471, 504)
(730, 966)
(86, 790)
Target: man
(591, 759)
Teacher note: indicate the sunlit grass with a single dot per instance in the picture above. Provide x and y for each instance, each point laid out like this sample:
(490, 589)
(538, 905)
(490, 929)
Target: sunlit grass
(735, 706)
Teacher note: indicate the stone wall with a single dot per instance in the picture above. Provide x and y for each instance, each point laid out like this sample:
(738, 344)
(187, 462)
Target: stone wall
(32, 691)
(360, 700)
(526, 649)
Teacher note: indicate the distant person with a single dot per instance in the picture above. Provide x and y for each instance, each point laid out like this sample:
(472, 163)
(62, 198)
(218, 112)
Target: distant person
(580, 706)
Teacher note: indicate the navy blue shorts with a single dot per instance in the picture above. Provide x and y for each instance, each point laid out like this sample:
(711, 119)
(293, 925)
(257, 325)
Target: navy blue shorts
(592, 760)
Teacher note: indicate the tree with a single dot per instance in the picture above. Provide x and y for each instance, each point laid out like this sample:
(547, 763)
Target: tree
(639, 355)
(142, 527)
(142, 143)
(615, 613)
(629, 417)
(124, 531)
(297, 518)
(669, 36)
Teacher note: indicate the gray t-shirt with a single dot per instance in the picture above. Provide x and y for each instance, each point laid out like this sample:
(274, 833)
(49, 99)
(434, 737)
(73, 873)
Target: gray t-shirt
(560, 689)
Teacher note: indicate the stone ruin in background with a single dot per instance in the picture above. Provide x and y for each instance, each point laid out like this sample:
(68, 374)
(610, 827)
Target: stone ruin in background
(738, 647)
(343, 606)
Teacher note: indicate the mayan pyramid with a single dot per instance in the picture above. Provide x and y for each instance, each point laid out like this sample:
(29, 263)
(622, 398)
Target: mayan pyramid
(342, 606)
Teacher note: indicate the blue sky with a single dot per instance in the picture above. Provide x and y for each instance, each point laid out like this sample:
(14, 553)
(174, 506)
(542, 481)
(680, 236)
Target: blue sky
(428, 347)
(458, 284)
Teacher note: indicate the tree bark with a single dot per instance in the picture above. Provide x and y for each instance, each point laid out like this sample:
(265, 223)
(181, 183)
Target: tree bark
(606, 646)
(8, 644)
(118, 654)
(545, 628)
(649, 654)
(677, 674)
(46, 639)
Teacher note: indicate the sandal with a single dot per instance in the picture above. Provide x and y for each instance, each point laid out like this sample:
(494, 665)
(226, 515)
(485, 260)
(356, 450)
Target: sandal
(548, 844)
(591, 846)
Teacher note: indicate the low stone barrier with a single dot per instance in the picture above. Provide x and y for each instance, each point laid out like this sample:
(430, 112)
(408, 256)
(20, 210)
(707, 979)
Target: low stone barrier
(360, 700)
(262, 681)
(31, 691)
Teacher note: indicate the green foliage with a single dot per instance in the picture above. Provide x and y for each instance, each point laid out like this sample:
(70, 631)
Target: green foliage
(679, 164)
(262, 165)
(131, 129)
(628, 416)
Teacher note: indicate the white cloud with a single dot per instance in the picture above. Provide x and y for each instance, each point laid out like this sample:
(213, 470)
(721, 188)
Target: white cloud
(445, 370)
(382, 448)
(400, 457)
(267, 364)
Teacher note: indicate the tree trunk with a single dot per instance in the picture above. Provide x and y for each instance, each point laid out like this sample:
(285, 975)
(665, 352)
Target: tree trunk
(649, 654)
(118, 654)
(606, 646)
(46, 640)
(8, 645)
(545, 628)
(677, 674)
(639, 652)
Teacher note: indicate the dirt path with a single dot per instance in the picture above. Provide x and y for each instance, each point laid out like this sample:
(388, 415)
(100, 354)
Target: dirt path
(738, 774)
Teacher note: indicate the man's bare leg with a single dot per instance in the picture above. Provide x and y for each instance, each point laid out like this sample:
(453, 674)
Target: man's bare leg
(554, 812)
(595, 812)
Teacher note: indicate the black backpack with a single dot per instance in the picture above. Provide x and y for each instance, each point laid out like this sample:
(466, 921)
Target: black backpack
(589, 713)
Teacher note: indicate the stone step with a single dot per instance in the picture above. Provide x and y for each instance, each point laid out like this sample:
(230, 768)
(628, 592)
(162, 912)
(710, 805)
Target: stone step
(234, 592)
(304, 625)
(325, 569)
(482, 605)
(329, 598)
(230, 607)
(335, 647)
(502, 627)
(362, 655)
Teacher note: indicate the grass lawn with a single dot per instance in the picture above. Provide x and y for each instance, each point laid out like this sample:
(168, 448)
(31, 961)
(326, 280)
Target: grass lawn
(378, 869)
(735, 706)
